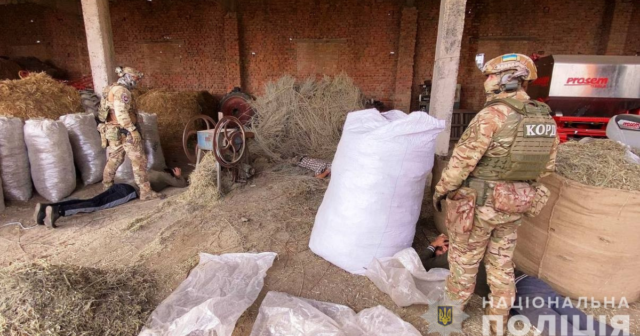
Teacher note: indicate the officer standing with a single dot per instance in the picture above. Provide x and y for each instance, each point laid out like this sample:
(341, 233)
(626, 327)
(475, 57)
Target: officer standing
(118, 126)
(490, 182)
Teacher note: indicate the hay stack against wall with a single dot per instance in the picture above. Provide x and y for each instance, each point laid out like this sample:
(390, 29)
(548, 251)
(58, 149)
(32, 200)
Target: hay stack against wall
(38, 96)
(174, 109)
(303, 118)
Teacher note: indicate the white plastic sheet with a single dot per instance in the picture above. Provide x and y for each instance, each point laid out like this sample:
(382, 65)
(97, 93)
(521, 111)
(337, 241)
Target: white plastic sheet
(405, 279)
(50, 158)
(212, 298)
(14, 162)
(377, 183)
(88, 153)
(152, 148)
(284, 315)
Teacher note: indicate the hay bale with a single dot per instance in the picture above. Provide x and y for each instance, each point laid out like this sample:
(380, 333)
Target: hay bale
(303, 118)
(9, 69)
(43, 299)
(174, 109)
(38, 96)
(598, 163)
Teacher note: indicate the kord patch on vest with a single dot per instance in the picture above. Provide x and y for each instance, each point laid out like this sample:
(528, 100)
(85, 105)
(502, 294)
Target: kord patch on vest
(539, 130)
(125, 98)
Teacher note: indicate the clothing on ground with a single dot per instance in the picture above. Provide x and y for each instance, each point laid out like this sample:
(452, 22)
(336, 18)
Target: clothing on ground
(116, 195)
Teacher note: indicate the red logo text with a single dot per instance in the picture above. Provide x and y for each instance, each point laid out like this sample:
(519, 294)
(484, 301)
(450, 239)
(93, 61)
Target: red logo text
(596, 82)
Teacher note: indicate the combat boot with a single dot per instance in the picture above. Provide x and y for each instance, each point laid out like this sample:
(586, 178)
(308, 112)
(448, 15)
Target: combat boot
(493, 324)
(147, 194)
(39, 213)
(51, 216)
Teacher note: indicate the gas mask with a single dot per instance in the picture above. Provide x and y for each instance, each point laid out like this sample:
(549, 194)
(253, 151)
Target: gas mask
(128, 81)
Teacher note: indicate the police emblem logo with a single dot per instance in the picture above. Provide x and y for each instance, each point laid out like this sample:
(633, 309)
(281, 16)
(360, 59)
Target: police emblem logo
(445, 315)
(125, 98)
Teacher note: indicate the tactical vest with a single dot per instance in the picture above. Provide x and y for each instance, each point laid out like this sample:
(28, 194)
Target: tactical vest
(533, 131)
(106, 106)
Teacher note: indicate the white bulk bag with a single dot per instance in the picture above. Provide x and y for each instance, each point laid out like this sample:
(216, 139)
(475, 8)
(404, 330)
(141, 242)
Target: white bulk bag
(377, 183)
(50, 158)
(14, 162)
(88, 153)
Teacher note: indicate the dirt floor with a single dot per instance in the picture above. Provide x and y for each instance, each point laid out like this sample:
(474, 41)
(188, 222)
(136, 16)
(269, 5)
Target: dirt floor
(273, 212)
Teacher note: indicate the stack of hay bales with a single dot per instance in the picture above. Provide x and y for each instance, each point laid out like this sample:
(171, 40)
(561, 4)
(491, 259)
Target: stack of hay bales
(37, 99)
(303, 118)
(37, 96)
(585, 241)
(174, 109)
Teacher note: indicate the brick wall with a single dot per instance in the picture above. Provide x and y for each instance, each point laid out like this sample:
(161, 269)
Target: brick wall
(208, 45)
(47, 33)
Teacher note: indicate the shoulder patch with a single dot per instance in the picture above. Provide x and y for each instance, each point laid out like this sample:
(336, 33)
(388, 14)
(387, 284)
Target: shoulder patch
(124, 97)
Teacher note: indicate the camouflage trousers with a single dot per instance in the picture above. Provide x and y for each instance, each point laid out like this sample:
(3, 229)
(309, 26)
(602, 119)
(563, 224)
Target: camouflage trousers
(492, 237)
(117, 150)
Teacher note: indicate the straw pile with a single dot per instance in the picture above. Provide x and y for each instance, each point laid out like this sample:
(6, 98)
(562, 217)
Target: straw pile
(43, 299)
(9, 69)
(37, 96)
(599, 163)
(303, 118)
(203, 189)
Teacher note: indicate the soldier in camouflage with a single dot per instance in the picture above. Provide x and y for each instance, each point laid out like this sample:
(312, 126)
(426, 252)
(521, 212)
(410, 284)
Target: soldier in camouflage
(118, 117)
(490, 182)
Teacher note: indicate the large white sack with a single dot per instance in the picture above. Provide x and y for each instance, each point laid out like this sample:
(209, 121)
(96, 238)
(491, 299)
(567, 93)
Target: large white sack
(406, 280)
(50, 158)
(284, 315)
(377, 183)
(14, 162)
(148, 124)
(88, 153)
(212, 298)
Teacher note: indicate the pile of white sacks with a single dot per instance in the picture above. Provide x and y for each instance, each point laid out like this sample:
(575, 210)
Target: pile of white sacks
(46, 154)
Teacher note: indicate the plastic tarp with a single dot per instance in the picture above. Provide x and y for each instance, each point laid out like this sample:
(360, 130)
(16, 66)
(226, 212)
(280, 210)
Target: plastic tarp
(285, 315)
(584, 243)
(50, 158)
(88, 153)
(212, 298)
(14, 161)
(405, 279)
(377, 184)
(148, 124)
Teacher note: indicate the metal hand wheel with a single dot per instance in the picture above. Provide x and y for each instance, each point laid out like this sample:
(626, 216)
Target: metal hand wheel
(195, 124)
(229, 142)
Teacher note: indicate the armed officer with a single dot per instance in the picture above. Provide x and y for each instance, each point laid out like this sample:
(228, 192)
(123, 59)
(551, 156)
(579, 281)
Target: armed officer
(490, 182)
(118, 126)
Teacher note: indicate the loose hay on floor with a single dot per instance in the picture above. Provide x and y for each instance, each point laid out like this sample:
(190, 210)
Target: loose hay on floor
(43, 299)
(38, 96)
(303, 118)
(599, 163)
(203, 189)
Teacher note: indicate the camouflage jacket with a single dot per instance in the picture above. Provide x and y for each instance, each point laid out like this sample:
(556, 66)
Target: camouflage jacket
(122, 110)
(478, 141)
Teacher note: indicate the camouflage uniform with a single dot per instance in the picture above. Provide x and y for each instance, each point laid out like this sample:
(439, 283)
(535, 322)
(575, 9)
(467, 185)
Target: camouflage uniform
(119, 131)
(485, 232)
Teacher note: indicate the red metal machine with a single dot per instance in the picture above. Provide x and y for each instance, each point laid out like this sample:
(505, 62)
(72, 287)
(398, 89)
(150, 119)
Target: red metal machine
(585, 91)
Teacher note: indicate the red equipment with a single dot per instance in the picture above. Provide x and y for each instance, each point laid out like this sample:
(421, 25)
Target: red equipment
(584, 91)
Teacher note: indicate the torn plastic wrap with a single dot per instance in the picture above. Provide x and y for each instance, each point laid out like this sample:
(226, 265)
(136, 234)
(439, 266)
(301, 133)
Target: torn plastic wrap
(378, 176)
(14, 161)
(212, 298)
(88, 153)
(284, 315)
(148, 124)
(405, 279)
(50, 158)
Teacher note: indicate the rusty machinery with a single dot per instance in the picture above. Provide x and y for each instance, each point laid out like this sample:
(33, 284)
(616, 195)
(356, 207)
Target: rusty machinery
(586, 91)
(226, 138)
